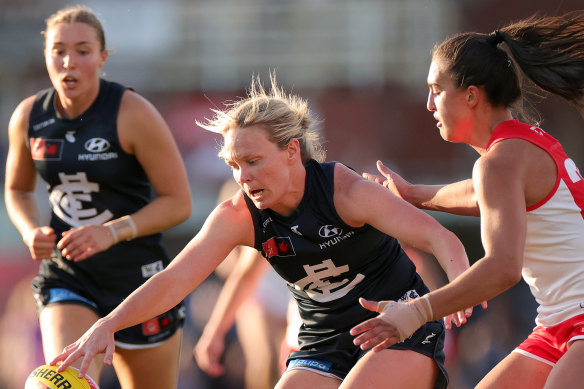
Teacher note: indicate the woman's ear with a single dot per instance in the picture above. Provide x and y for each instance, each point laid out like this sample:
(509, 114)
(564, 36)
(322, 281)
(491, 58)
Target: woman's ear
(104, 57)
(473, 96)
(293, 149)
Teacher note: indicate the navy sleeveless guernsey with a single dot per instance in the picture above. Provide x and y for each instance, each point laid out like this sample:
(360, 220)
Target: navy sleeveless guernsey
(91, 180)
(328, 265)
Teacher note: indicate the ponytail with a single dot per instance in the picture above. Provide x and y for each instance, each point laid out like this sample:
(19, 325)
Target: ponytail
(549, 51)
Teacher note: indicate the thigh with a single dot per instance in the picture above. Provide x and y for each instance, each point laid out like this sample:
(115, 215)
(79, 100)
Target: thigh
(568, 372)
(392, 369)
(63, 324)
(301, 378)
(257, 331)
(149, 368)
(516, 370)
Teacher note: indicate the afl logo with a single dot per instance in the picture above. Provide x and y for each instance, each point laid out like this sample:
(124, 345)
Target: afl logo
(329, 231)
(97, 145)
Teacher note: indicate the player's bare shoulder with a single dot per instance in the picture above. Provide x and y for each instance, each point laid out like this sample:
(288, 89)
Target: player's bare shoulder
(19, 120)
(229, 224)
(345, 178)
(234, 214)
(235, 203)
(350, 188)
(506, 159)
(139, 120)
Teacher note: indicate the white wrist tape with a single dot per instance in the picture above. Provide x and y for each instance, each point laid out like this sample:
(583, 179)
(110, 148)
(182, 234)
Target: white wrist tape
(407, 317)
(123, 228)
(132, 226)
(114, 233)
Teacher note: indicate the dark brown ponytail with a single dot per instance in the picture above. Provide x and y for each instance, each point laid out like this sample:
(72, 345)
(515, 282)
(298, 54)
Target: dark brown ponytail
(548, 50)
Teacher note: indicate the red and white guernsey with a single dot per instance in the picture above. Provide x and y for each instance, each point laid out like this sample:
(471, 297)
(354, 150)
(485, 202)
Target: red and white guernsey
(553, 263)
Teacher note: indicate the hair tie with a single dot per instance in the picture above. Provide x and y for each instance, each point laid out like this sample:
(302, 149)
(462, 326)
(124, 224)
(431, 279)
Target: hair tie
(495, 38)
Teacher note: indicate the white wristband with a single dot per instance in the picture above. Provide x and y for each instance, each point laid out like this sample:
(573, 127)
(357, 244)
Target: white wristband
(123, 228)
(114, 233)
(429, 311)
(133, 226)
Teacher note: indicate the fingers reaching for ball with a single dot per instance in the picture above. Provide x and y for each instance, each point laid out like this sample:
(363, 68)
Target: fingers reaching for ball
(98, 339)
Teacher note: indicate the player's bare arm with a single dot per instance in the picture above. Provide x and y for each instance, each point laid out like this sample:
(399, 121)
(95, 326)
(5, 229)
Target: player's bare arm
(20, 185)
(456, 198)
(144, 133)
(503, 234)
(228, 226)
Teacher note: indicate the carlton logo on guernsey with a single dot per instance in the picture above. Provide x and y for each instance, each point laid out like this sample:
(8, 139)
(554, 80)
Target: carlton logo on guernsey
(318, 286)
(68, 198)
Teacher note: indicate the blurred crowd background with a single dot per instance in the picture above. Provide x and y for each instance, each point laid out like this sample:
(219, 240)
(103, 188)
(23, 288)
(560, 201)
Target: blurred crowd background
(362, 65)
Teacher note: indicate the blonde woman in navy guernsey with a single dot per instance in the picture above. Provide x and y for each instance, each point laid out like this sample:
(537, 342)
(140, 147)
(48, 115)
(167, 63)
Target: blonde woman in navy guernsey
(102, 149)
(527, 191)
(332, 236)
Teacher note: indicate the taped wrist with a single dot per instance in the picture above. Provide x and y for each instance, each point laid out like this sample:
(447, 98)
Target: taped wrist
(423, 308)
(407, 317)
(123, 228)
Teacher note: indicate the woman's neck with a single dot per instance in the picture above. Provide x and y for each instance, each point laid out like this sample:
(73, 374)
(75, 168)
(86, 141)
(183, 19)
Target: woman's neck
(71, 108)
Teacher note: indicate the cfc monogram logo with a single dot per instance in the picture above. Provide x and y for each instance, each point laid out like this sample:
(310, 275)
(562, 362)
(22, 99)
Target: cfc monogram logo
(318, 285)
(67, 200)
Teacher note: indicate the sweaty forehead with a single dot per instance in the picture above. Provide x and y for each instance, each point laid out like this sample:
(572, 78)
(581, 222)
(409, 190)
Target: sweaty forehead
(229, 139)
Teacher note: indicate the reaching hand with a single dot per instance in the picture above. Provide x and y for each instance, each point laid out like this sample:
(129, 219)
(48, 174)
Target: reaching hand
(81, 243)
(396, 322)
(208, 352)
(390, 180)
(459, 318)
(98, 339)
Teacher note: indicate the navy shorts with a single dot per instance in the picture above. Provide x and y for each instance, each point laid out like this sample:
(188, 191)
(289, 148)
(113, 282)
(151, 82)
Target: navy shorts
(149, 334)
(336, 356)
(57, 286)
(331, 352)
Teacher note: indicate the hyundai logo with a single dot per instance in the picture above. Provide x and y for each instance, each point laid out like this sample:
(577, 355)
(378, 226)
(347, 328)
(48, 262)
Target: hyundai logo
(97, 145)
(329, 231)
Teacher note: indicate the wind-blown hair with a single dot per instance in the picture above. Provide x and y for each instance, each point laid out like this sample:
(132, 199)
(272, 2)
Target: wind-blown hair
(283, 116)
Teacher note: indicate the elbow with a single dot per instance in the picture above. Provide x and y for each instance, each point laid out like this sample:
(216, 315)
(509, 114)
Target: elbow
(185, 210)
(510, 281)
(186, 214)
(179, 208)
(176, 209)
(509, 276)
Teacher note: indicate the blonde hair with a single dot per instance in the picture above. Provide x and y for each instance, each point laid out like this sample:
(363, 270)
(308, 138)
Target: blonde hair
(283, 116)
(77, 14)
